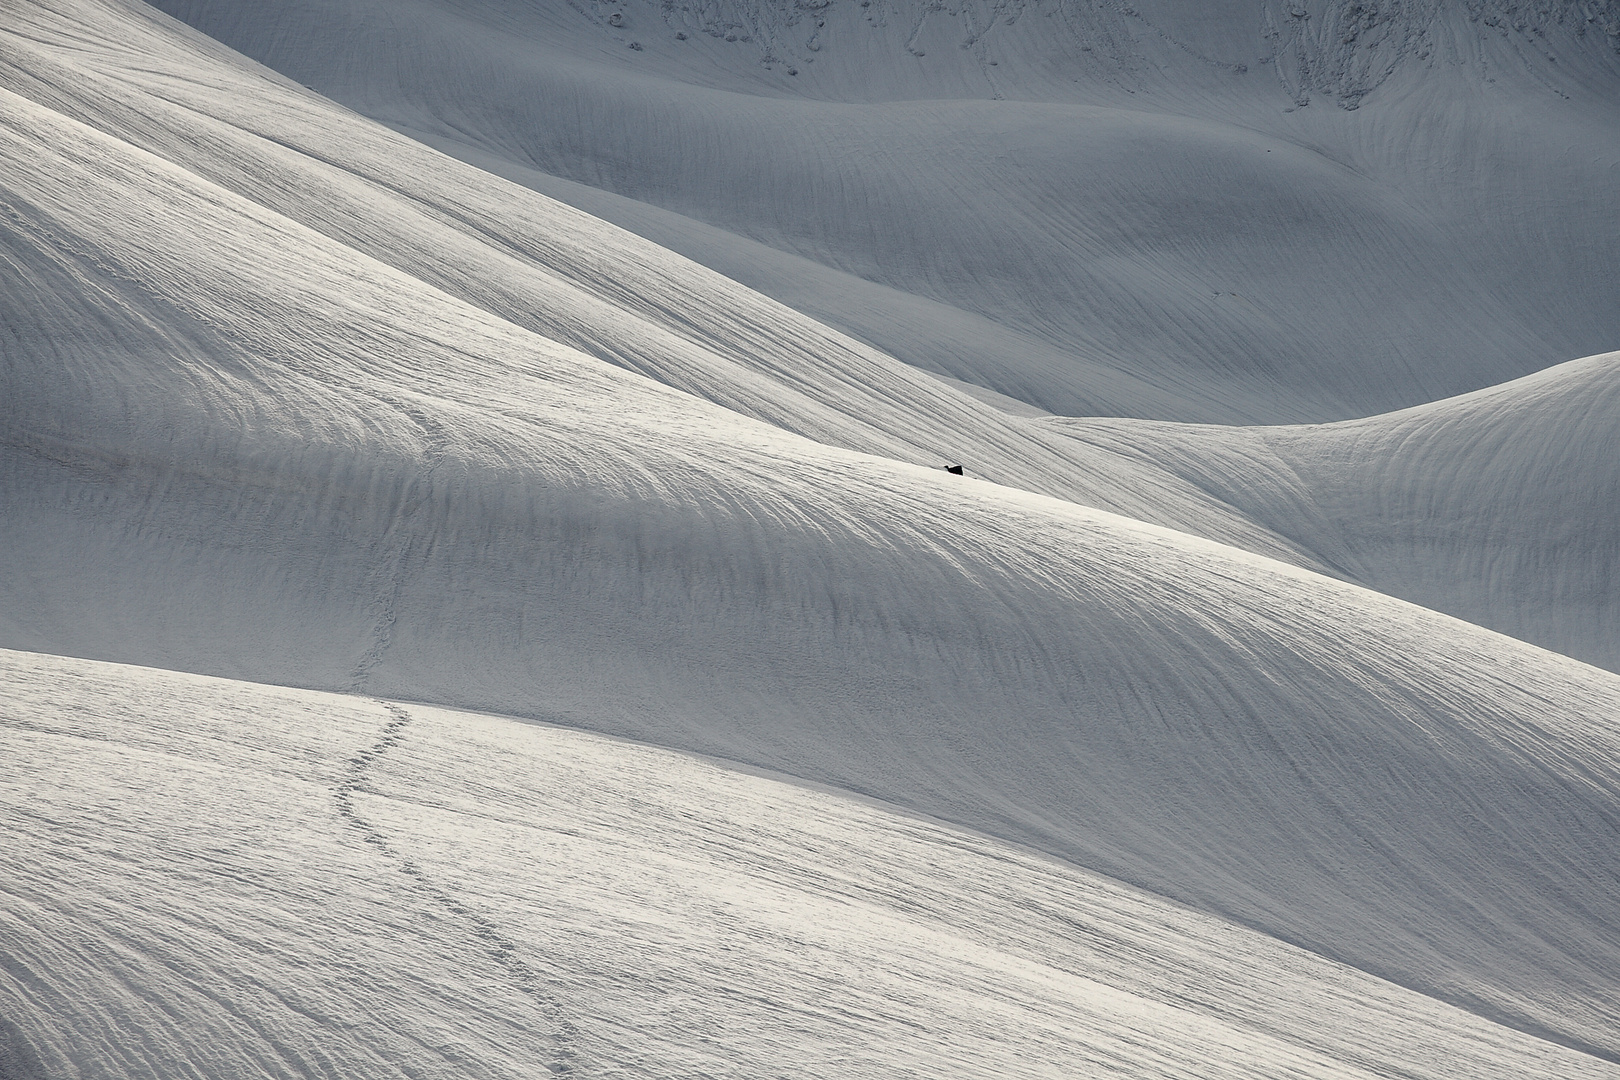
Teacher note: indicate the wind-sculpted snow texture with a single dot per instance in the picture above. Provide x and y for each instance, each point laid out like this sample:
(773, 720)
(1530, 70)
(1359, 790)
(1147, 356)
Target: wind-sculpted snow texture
(1495, 507)
(566, 276)
(1238, 211)
(289, 398)
(203, 877)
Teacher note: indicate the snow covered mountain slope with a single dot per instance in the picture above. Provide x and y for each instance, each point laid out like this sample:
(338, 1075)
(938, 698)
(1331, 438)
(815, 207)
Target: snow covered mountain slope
(239, 445)
(290, 398)
(531, 262)
(204, 877)
(566, 276)
(1246, 211)
(1496, 507)
(541, 266)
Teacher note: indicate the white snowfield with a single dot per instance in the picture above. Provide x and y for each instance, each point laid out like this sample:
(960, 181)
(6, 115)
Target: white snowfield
(289, 398)
(226, 879)
(1253, 211)
(570, 278)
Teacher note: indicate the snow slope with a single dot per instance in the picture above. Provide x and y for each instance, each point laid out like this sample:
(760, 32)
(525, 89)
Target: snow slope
(1497, 507)
(204, 877)
(279, 458)
(1246, 211)
(540, 266)
(537, 265)
(290, 398)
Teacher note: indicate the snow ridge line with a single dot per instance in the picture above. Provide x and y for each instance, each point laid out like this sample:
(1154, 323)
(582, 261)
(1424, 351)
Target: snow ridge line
(496, 945)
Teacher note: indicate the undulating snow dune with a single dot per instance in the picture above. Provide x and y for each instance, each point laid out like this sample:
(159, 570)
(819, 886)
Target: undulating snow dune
(211, 878)
(290, 398)
(545, 268)
(1243, 211)
(1497, 506)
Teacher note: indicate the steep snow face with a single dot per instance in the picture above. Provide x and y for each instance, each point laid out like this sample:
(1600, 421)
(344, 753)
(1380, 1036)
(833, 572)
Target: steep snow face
(1165, 210)
(241, 444)
(1491, 506)
(203, 877)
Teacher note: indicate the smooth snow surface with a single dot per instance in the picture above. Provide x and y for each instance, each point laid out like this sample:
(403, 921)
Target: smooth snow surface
(289, 397)
(1498, 507)
(1236, 211)
(574, 280)
(212, 878)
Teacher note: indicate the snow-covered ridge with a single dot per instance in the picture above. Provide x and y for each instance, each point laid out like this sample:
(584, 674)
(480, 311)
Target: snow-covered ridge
(539, 265)
(566, 276)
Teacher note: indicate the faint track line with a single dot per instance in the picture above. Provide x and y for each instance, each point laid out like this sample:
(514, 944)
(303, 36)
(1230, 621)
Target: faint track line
(496, 945)
(400, 543)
